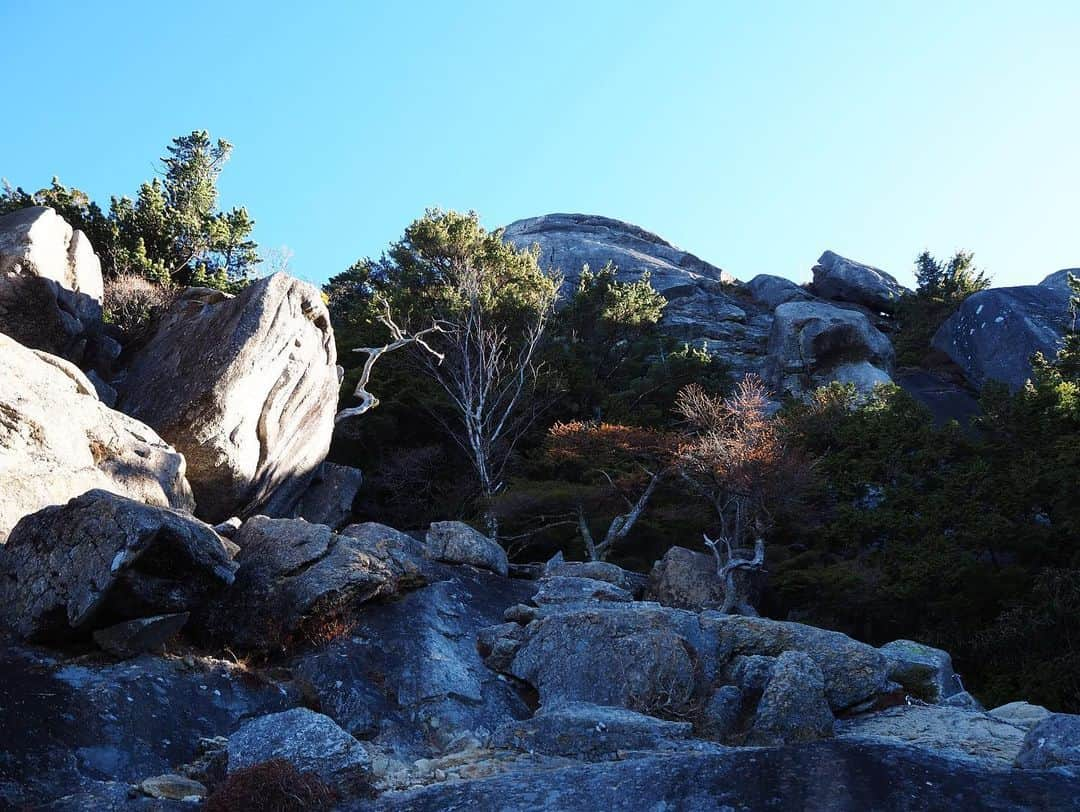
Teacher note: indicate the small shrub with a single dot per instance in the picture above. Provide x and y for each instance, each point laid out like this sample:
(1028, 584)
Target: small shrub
(273, 786)
(133, 304)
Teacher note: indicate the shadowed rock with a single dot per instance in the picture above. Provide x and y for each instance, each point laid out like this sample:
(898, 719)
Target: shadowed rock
(300, 582)
(102, 559)
(50, 283)
(246, 388)
(457, 543)
(793, 707)
(994, 333)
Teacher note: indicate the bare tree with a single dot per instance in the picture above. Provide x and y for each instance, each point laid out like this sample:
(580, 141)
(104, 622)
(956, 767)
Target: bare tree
(490, 376)
(400, 339)
(737, 458)
(634, 461)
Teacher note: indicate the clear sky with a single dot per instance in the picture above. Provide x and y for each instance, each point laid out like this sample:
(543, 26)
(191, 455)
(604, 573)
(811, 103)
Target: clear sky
(754, 134)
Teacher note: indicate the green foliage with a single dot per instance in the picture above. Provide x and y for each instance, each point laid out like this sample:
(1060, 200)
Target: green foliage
(942, 286)
(614, 362)
(172, 232)
(963, 539)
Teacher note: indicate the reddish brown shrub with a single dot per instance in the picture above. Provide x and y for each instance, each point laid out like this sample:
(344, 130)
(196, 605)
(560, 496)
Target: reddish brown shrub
(273, 786)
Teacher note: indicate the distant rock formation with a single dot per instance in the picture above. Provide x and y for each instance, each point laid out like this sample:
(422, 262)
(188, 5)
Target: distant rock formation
(246, 388)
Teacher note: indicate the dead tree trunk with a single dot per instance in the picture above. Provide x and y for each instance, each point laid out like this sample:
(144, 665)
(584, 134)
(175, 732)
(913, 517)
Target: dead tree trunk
(737, 575)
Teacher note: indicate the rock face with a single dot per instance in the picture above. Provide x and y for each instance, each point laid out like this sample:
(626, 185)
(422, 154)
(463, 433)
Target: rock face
(839, 776)
(685, 579)
(140, 636)
(299, 581)
(701, 307)
(50, 283)
(105, 727)
(457, 543)
(813, 343)
(246, 388)
(845, 280)
(102, 559)
(995, 332)
(57, 440)
(328, 499)
(568, 241)
(310, 741)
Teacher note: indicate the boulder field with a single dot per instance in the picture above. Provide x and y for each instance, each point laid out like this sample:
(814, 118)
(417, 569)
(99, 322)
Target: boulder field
(183, 596)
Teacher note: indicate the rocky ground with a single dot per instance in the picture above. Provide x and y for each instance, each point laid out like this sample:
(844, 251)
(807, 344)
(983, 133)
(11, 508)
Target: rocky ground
(183, 596)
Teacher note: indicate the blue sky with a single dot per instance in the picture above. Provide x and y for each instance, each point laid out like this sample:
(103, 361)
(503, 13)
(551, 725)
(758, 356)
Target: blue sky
(753, 134)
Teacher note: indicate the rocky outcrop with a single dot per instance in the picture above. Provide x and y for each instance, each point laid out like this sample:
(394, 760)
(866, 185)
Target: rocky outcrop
(50, 283)
(299, 582)
(57, 440)
(845, 280)
(994, 333)
(329, 498)
(142, 635)
(814, 343)
(246, 388)
(457, 543)
(685, 579)
(102, 559)
(853, 671)
(569, 241)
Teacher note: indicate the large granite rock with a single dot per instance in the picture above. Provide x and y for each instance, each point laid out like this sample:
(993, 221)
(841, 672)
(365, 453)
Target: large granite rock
(1059, 280)
(813, 343)
(102, 559)
(853, 671)
(50, 283)
(569, 241)
(792, 707)
(685, 579)
(57, 440)
(309, 741)
(458, 543)
(301, 582)
(639, 656)
(246, 388)
(845, 280)
(995, 332)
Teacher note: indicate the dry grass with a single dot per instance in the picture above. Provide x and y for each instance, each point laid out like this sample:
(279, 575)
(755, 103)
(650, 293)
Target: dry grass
(273, 786)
